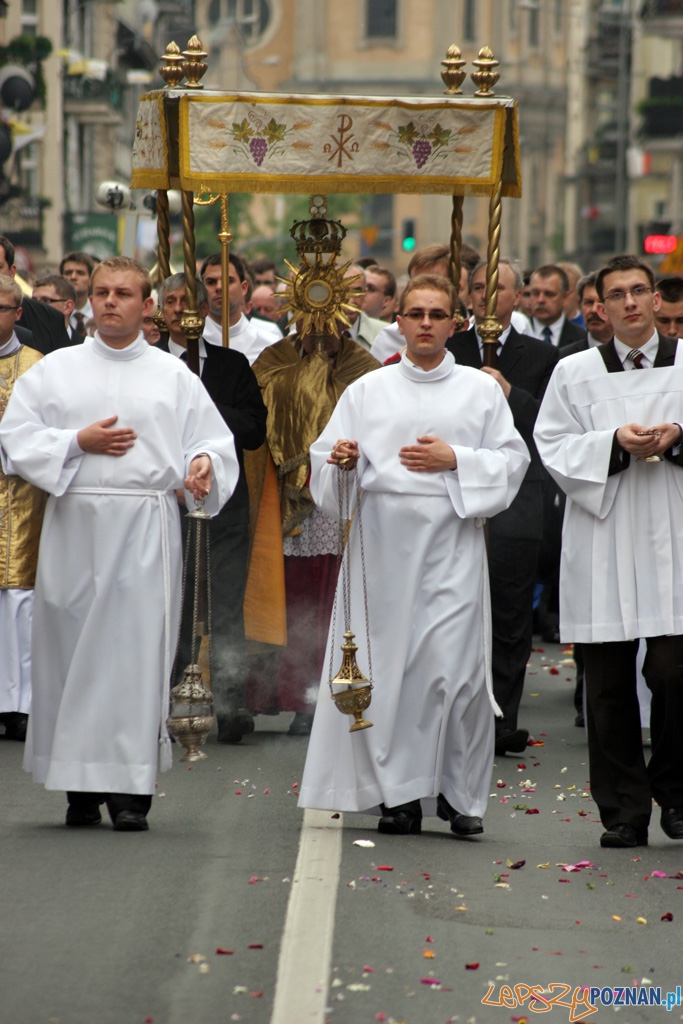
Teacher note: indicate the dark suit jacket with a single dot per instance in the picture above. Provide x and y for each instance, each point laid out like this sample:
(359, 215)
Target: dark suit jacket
(230, 381)
(45, 324)
(527, 364)
(571, 333)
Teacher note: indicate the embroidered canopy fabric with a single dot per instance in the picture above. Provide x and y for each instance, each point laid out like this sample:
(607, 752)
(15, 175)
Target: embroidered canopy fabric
(244, 142)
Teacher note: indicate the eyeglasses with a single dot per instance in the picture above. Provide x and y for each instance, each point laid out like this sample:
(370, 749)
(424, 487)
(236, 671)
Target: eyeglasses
(7, 309)
(52, 302)
(636, 293)
(432, 314)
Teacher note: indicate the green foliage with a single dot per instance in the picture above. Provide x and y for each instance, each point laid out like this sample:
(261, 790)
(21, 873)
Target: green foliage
(276, 243)
(29, 51)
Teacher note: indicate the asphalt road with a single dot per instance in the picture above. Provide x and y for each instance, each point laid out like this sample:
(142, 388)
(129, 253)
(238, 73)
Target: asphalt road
(98, 927)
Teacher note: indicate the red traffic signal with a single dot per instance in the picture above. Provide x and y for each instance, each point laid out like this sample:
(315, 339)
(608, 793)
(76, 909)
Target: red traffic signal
(658, 245)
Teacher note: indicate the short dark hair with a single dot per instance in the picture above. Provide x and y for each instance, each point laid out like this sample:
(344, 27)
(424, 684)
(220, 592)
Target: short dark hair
(238, 262)
(671, 288)
(434, 281)
(78, 257)
(469, 257)
(8, 249)
(261, 264)
(549, 270)
(618, 263)
(584, 282)
(428, 256)
(389, 279)
(64, 288)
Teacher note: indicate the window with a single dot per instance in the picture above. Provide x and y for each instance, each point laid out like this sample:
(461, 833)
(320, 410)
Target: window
(381, 19)
(534, 28)
(469, 22)
(250, 17)
(29, 17)
(559, 17)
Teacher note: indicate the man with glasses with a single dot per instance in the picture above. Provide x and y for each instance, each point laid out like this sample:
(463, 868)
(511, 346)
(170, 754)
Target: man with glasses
(609, 432)
(436, 452)
(41, 327)
(60, 294)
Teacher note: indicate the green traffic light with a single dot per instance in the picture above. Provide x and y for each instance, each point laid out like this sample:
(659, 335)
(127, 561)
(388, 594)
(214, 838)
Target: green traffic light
(408, 244)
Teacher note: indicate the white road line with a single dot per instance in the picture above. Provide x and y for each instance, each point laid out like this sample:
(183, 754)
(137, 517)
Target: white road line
(306, 949)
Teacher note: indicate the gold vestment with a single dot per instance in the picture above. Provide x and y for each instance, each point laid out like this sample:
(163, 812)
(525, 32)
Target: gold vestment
(300, 394)
(21, 504)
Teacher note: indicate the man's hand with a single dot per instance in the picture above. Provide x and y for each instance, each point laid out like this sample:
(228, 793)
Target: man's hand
(100, 439)
(497, 375)
(198, 480)
(645, 441)
(343, 450)
(430, 455)
(669, 435)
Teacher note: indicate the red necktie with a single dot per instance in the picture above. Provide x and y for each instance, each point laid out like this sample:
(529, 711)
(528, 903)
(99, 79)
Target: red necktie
(636, 357)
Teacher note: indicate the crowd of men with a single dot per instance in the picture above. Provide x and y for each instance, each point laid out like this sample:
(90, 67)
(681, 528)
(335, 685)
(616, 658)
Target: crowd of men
(572, 466)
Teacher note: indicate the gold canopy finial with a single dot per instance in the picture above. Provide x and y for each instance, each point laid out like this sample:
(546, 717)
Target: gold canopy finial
(194, 66)
(485, 77)
(172, 68)
(452, 75)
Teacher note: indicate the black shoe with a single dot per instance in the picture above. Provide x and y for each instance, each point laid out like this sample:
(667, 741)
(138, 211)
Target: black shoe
(16, 724)
(511, 741)
(83, 817)
(130, 821)
(580, 721)
(462, 825)
(301, 724)
(403, 820)
(231, 728)
(672, 822)
(624, 835)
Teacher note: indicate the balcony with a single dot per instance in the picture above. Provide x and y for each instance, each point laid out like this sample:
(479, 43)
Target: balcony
(663, 18)
(94, 100)
(662, 110)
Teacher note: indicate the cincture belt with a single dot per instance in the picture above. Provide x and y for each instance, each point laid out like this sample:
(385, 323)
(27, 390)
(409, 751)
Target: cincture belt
(165, 755)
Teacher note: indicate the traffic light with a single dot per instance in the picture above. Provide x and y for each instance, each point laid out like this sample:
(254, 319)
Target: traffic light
(408, 239)
(17, 87)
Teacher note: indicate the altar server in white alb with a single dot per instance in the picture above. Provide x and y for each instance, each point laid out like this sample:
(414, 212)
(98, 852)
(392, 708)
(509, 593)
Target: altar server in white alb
(607, 413)
(110, 430)
(436, 452)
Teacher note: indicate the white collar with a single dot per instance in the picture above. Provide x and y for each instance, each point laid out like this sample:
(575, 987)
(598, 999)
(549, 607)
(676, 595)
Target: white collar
(416, 373)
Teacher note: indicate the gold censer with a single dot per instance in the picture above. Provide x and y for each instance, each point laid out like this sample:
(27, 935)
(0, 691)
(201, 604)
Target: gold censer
(191, 718)
(350, 690)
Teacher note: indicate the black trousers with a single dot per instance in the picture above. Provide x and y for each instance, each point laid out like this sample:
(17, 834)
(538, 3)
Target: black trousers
(621, 784)
(116, 802)
(228, 553)
(512, 574)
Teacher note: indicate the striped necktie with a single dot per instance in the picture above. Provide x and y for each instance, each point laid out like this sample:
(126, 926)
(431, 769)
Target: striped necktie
(636, 357)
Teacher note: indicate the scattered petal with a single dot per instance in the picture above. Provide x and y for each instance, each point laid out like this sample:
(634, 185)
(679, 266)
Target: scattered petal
(384, 867)
(615, 917)
(357, 986)
(641, 920)
(256, 995)
(196, 958)
(546, 865)
(431, 981)
(204, 969)
(335, 815)
(254, 879)
(224, 952)
(368, 970)
(532, 810)
(472, 967)
(429, 939)
(658, 874)
(428, 954)
(255, 945)
(515, 865)
(365, 843)
(667, 917)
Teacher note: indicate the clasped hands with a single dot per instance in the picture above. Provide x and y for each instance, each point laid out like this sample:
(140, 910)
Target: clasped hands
(429, 455)
(646, 441)
(102, 438)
